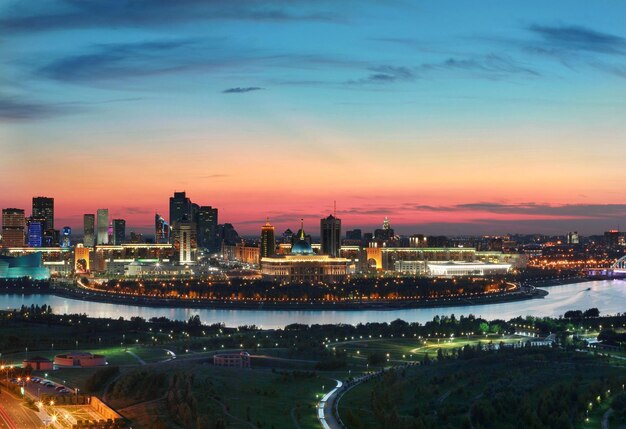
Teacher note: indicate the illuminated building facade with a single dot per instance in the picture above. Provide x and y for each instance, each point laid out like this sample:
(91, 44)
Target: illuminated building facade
(112, 258)
(29, 265)
(82, 257)
(455, 269)
(58, 260)
(304, 266)
(185, 241)
(13, 225)
(161, 230)
(66, 236)
(89, 230)
(35, 232)
(103, 227)
(414, 261)
(330, 233)
(268, 240)
(43, 208)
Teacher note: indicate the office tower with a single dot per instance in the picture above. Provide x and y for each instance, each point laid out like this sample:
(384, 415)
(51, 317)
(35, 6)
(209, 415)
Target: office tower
(207, 228)
(13, 224)
(368, 237)
(89, 230)
(103, 226)
(161, 230)
(354, 234)
(268, 241)
(185, 241)
(180, 208)
(119, 231)
(330, 234)
(43, 208)
(34, 236)
(66, 234)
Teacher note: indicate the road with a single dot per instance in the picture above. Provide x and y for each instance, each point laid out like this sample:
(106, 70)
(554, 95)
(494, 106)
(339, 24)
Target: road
(14, 415)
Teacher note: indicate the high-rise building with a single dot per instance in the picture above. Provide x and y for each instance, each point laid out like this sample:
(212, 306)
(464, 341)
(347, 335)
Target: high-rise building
(573, 238)
(103, 227)
(51, 238)
(185, 241)
(207, 228)
(180, 208)
(89, 230)
(43, 208)
(119, 231)
(161, 230)
(35, 232)
(330, 234)
(66, 236)
(13, 225)
(268, 240)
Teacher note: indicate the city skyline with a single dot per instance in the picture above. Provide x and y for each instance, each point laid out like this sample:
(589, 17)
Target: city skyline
(486, 120)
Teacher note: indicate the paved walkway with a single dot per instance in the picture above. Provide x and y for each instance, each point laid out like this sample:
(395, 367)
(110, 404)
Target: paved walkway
(133, 354)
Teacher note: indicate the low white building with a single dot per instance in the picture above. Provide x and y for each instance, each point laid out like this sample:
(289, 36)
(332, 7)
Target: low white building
(454, 269)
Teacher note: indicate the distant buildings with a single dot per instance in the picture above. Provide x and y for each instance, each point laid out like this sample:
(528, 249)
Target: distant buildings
(89, 230)
(103, 226)
(66, 234)
(13, 227)
(330, 234)
(184, 236)
(34, 236)
(204, 218)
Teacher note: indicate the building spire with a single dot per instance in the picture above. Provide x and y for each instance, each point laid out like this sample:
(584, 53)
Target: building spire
(302, 236)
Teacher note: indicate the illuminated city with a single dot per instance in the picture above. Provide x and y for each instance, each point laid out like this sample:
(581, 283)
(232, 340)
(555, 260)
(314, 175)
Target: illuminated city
(312, 215)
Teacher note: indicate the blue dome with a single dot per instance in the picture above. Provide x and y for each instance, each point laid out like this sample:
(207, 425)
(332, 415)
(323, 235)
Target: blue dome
(301, 247)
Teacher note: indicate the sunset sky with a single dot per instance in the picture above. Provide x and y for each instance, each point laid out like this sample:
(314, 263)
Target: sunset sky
(449, 117)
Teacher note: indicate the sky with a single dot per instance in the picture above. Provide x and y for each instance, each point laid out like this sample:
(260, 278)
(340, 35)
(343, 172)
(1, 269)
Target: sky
(448, 117)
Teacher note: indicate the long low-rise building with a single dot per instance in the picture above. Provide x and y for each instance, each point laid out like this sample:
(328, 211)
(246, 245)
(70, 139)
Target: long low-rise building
(415, 261)
(454, 269)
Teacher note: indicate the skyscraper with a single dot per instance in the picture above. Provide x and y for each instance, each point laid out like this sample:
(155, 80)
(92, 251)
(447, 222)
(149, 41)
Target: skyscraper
(386, 233)
(43, 208)
(185, 241)
(161, 230)
(103, 227)
(119, 231)
(268, 240)
(330, 233)
(89, 230)
(35, 232)
(13, 224)
(207, 228)
(180, 207)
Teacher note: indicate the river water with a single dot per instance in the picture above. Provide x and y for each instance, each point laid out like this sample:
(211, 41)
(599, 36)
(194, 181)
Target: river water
(608, 296)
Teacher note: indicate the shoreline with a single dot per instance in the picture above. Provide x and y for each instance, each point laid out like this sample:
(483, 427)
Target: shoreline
(525, 292)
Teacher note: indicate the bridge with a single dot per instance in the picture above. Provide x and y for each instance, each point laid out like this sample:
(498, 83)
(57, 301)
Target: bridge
(617, 270)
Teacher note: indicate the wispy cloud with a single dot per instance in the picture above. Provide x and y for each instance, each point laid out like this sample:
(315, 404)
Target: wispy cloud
(241, 90)
(492, 67)
(17, 109)
(569, 39)
(18, 17)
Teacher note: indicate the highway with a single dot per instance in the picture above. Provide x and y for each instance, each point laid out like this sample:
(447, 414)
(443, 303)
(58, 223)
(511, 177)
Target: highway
(14, 415)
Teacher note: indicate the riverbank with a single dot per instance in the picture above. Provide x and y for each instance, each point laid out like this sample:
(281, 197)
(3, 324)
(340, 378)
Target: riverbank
(560, 281)
(523, 293)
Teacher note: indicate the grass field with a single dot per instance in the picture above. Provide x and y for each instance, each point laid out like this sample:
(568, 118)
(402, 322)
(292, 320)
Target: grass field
(441, 395)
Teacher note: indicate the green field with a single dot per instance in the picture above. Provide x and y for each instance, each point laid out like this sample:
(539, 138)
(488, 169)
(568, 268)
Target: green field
(516, 389)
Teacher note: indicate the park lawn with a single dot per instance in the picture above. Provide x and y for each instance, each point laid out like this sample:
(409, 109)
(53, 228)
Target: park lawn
(267, 397)
(442, 394)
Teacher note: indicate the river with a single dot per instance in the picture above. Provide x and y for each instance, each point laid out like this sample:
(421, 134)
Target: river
(609, 296)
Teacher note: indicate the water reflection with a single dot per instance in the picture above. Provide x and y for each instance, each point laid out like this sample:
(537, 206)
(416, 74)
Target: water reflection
(608, 296)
